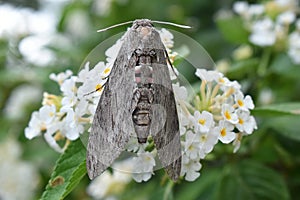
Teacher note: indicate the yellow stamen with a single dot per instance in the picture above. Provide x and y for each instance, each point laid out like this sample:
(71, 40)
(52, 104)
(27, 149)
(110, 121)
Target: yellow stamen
(51, 114)
(107, 70)
(203, 138)
(202, 121)
(240, 102)
(99, 87)
(58, 136)
(227, 115)
(241, 121)
(223, 132)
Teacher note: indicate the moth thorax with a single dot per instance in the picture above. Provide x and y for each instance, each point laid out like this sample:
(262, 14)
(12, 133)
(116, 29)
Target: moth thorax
(143, 74)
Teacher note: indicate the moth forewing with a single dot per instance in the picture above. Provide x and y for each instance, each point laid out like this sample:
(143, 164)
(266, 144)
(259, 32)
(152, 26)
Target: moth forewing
(138, 97)
(111, 125)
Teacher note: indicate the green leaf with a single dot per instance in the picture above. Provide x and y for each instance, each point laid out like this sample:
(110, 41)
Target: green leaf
(290, 108)
(245, 179)
(202, 188)
(233, 30)
(249, 179)
(283, 66)
(287, 126)
(69, 170)
(243, 67)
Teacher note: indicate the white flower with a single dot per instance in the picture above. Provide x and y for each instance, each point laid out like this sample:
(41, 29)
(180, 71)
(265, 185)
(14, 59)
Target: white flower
(207, 142)
(72, 126)
(266, 96)
(166, 37)
(246, 122)
(298, 24)
(286, 3)
(186, 121)
(190, 168)
(69, 90)
(93, 81)
(286, 18)
(40, 121)
(225, 132)
(107, 184)
(61, 77)
(228, 112)
(191, 145)
(241, 7)
(242, 52)
(21, 97)
(207, 76)
(18, 179)
(256, 9)
(237, 142)
(34, 49)
(143, 166)
(294, 47)
(34, 127)
(248, 11)
(180, 92)
(263, 33)
(68, 87)
(102, 7)
(52, 142)
(83, 74)
(243, 103)
(203, 121)
(112, 52)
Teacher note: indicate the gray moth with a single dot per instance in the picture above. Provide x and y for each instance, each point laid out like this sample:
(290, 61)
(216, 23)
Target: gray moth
(137, 93)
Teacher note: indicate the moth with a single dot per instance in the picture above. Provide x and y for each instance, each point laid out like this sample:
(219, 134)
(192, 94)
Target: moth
(137, 99)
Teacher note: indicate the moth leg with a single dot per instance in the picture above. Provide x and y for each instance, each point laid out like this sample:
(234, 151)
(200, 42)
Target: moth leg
(169, 61)
(106, 77)
(98, 89)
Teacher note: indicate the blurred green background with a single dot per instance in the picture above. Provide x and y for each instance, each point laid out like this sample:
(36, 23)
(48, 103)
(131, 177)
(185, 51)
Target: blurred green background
(47, 36)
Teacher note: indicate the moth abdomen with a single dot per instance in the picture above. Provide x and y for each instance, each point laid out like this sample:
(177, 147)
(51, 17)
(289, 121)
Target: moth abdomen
(141, 115)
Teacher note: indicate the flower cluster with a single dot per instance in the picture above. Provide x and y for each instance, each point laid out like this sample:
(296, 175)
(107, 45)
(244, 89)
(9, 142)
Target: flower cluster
(273, 23)
(219, 112)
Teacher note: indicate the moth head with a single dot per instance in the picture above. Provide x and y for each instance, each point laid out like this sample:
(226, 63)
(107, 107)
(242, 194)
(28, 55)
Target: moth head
(143, 26)
(142, 22)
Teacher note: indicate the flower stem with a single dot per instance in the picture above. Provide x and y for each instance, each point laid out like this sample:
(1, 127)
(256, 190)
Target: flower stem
(168, 192)
(262, 67)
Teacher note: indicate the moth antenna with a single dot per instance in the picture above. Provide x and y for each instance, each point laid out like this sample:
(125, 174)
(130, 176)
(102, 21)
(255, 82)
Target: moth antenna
(114, 26)
(172, 24)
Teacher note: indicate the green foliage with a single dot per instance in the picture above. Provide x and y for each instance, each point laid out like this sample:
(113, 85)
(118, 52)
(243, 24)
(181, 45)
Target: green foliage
(233, 30)
(69, 170)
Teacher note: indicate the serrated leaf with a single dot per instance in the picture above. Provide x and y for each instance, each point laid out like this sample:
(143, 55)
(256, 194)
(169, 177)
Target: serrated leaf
(233, 30)
(291, 108)
(250, 180)
(69, 170)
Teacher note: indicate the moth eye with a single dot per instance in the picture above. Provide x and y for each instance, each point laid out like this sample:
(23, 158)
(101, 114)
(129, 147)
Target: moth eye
(152, 52)
(138, 52)
(135, 26)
